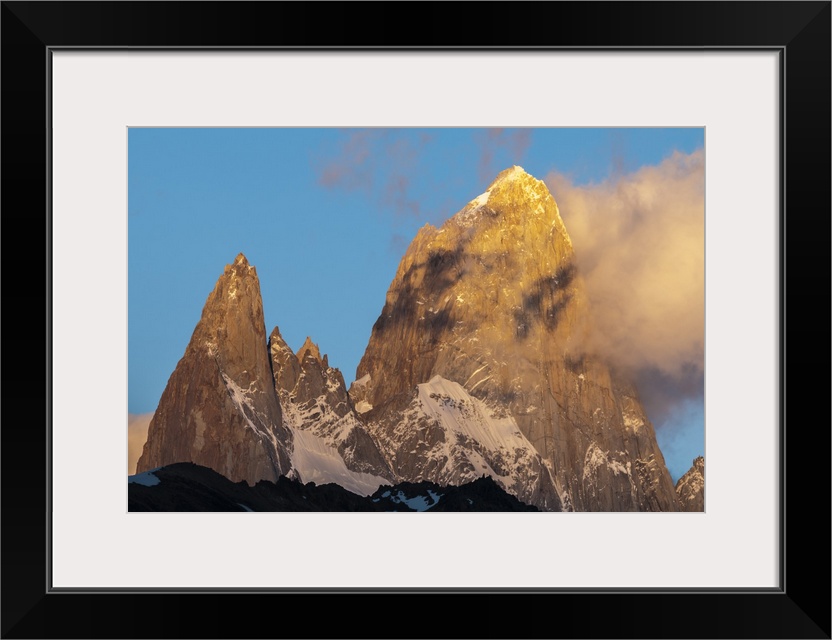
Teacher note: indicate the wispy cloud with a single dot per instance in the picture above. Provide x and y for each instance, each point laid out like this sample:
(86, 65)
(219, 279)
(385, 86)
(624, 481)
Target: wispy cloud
(352, 167)
(639, 242)
(381, 162)
(398, 244)
(513, 143)
(388, 165)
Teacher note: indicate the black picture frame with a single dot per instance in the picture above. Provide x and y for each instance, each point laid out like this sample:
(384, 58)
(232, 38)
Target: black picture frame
(799, 31)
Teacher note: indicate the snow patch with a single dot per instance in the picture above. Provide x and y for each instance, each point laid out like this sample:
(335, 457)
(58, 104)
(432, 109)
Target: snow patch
(332, 383)
(146, 479)
(456, 438)
(477, 441)
(472, 212)
(363, 380)
(241, 398)
(362, 406)
(450, 404)
(595, 458)
(320, 463)
(481, 199)
(417, 503)
(475, 373)
(480, 382)
(633, 422)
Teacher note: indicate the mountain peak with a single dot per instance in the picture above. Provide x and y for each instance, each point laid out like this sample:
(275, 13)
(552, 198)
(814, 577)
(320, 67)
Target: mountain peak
(275, 335)
(509, 181)
(514, 172)
(220, 408)
(311, 348)
(513, 196)
(240, 267)
(494, 304)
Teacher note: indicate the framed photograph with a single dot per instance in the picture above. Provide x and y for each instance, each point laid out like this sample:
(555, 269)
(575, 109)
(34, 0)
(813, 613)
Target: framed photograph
(439, 337)
(86, 85)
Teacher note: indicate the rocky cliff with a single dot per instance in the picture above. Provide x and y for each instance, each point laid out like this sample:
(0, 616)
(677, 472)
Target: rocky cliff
(690, 488)
(252, 409)
(219, 408)
(491, 306)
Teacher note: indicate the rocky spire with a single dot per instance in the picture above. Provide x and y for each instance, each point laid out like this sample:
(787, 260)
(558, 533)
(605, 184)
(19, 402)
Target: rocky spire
(493, 302)
(318, 410)
(285, 364)
(310, 349)
(219, 408)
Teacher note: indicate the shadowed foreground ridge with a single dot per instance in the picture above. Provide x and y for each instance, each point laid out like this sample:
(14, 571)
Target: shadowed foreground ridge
(190, 487)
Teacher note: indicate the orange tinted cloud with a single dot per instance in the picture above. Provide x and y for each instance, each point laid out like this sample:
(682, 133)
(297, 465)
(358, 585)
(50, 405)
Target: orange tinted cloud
(381, 162)
(515, 141)
(137, 425)
(639, 240)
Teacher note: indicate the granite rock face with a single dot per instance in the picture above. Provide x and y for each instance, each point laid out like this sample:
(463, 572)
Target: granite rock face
(690, 488)
(445, 435)
(252, 410)
(219, 408)
(493, 302)
(331, 443)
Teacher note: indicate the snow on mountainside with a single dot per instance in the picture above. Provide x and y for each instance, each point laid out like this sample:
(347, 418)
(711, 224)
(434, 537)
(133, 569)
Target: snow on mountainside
(317, 461)
(330, 443)
(447, 436)
(357, 393)
(145, 478)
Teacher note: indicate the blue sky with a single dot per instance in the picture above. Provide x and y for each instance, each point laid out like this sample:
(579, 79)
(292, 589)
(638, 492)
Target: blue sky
(325, 215)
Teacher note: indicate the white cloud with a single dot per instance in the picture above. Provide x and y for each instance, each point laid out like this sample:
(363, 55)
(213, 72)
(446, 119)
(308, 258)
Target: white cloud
(639, 241)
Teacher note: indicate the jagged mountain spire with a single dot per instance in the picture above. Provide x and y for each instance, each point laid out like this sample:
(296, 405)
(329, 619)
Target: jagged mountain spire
(331, 443)
(219, 408)
(310, 349)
